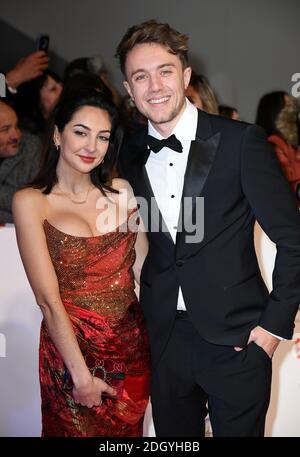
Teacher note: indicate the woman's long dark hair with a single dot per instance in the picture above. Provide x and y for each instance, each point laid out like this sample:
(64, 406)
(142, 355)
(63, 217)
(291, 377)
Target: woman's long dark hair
(28, 104)
(70, 102)
(269, 107)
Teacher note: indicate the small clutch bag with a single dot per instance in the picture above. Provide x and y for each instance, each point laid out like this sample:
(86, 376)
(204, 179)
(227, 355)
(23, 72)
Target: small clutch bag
(110, 371)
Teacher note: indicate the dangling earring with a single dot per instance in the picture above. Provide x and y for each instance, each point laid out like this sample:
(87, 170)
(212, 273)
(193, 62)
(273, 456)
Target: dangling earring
(57, 147)
(132, 102)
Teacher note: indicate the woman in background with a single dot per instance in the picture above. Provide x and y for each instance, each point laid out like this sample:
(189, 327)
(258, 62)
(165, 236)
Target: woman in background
(278, 114)
(229, 111)
(200, 93)
(36, 101)
(77, 235)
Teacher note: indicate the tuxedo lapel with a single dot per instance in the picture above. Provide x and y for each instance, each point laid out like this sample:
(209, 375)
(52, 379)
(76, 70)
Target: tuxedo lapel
(201, 157)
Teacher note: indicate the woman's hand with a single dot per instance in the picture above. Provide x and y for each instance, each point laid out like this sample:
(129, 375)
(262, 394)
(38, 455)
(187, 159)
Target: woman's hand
(90, 393)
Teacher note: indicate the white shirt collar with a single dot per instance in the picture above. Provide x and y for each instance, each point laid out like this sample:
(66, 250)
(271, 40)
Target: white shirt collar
(186, 127)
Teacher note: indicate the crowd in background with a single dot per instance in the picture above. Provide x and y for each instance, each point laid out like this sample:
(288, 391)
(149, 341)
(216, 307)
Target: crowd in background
(33, 91)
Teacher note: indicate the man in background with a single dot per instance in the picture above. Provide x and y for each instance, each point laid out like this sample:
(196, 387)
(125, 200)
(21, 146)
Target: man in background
(19, 159)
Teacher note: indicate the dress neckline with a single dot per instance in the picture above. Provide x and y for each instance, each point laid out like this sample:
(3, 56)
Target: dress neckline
(116, 230)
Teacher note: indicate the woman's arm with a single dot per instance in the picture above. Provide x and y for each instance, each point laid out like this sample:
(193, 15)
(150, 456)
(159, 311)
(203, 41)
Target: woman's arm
(141, 250)
(28, 216)
(141, 244)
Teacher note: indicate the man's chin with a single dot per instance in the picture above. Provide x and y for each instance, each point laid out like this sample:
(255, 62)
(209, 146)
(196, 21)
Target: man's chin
(162, 119)
(12, 151)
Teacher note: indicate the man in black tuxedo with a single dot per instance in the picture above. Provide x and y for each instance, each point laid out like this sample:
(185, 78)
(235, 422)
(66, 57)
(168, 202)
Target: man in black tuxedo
(213, 326)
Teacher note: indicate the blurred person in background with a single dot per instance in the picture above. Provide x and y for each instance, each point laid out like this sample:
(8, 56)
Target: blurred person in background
(297, 342)
(95, 66)
(229, 111)
(81, 80)
(19, 159)
(50, 89)
(26, 69)
(200, 93)
(36, 101)
(278, 114)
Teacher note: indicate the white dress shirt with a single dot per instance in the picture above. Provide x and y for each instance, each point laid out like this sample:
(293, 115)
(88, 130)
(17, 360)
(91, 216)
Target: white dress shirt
(166, 171)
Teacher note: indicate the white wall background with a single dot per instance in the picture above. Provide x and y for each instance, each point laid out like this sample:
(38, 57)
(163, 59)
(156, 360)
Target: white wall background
(246, 48)
(20, 323)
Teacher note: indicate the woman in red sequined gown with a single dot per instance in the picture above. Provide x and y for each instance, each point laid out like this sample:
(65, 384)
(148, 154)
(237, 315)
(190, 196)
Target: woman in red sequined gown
(82, 250)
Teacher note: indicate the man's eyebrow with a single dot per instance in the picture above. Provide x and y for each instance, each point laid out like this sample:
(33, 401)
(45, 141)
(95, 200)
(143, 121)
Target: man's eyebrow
(139, 70)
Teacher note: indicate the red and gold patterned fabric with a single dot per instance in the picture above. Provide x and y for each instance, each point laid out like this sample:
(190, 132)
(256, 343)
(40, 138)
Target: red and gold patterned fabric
(97, 289)
(289, 158)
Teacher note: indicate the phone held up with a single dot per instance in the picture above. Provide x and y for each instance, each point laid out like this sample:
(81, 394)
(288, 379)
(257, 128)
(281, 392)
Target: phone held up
(43, 43)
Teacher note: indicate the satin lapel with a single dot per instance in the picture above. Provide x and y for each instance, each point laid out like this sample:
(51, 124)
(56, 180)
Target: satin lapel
(200, 160)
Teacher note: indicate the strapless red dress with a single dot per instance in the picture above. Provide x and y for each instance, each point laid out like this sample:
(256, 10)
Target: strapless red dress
(97, 289)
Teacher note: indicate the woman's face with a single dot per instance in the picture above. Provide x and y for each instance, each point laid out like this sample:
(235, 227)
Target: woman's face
(194, 97)
(85, 139)
(287, 99)
(49, 95)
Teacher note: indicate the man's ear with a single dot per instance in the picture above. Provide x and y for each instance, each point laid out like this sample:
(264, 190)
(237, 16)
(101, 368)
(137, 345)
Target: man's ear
(127, 87)
(187, 72)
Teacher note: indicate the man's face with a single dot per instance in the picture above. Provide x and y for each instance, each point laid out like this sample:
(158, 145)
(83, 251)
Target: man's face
(9, 131)
(156, 81)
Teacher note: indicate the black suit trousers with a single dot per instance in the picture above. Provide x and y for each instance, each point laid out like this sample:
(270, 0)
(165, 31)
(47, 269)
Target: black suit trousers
(193, 373)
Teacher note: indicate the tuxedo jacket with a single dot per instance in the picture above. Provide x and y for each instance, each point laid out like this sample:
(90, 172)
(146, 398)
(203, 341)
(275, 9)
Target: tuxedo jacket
(232, 166)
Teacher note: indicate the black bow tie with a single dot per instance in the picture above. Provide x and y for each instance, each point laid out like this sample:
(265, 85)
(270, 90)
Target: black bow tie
(156, 145)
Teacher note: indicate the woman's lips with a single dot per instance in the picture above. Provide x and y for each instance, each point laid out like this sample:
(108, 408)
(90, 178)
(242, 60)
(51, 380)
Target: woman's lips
(86, 159)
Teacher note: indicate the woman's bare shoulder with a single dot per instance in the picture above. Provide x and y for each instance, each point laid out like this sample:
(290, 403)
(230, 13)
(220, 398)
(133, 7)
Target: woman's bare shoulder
(29, 199)
(120, 184)
(123, 187)
(29, 193)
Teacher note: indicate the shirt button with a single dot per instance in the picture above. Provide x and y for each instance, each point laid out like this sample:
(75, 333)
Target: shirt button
(171, 165)
(172, 196)
(179, 263)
